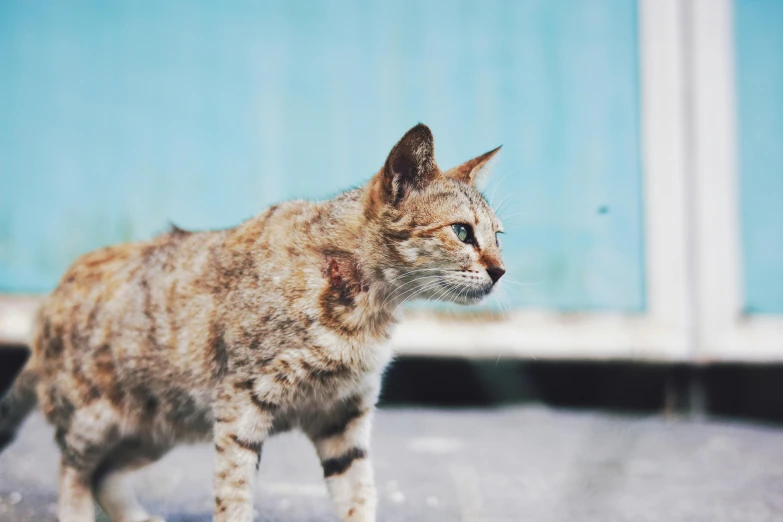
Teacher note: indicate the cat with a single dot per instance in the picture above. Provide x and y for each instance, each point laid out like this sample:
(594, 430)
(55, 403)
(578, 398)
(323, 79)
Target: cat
(234, 335)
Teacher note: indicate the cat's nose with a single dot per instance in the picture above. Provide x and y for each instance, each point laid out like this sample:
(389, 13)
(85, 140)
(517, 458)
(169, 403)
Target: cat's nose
(495, 273)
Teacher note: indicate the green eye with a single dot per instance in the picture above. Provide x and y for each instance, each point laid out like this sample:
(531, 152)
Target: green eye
(463, 232)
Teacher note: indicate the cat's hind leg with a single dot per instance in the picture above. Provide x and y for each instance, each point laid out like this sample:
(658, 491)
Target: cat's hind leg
(115, 495)
(112, 485)
(75, 502)
(84, 441)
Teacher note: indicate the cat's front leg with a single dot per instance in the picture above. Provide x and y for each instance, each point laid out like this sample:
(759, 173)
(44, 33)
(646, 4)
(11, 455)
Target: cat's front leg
(242, 423)
(344, 449)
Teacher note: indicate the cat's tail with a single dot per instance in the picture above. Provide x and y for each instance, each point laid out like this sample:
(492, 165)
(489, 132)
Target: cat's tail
(17, 404)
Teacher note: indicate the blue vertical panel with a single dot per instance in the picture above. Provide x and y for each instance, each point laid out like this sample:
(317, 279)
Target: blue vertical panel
(118, 117)
(759, 66)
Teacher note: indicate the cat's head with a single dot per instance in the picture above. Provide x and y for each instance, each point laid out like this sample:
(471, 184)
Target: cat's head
(437, 236)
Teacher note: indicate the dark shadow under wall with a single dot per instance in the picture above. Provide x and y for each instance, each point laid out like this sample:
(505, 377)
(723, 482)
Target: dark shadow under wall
(727, 390)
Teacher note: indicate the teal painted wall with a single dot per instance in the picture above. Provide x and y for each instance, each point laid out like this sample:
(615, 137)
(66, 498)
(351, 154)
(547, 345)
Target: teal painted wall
(118, 117)
(759, 65)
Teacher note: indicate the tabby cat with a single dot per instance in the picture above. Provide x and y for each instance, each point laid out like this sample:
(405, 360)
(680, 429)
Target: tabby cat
(234, 335)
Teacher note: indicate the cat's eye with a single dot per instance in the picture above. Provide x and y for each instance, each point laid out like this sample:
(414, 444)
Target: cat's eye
(497, 238)
(464, 233)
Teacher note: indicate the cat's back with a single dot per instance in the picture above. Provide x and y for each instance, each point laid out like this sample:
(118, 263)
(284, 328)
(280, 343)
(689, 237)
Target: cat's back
(123, 297)
(161, 293)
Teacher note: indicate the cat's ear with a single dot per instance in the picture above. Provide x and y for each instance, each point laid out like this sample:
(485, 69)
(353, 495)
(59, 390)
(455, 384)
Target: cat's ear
(410, 165)
(473, 169)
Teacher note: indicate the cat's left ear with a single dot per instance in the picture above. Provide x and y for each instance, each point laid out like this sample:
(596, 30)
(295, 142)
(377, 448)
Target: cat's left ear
(410, 165)
(473, 169)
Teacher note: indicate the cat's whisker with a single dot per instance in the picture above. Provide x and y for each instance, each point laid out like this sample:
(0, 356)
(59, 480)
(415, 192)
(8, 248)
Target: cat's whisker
(458, 290)
(504, 304)
(459, 295)
(498, 308)
(425, 287)
(500, 181)
(514, 219)
(413, 271)
(524, 284)
(509, 199)
(417, 277)
(499, 212)
(412, 292)
(389, 297)
(495, 188)
(508, 217)
(455, 292)
(409, 298)
(508, 279)
(500, 205)
(418, 273)
(513, 196)
(414, 280)
(445, 292)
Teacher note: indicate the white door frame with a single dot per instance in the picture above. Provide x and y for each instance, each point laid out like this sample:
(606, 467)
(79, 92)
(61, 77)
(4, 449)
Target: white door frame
(725, 333)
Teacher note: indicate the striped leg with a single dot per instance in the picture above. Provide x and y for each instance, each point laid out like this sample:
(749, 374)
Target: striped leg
(241, 426)
(343, 448)
(75, 502)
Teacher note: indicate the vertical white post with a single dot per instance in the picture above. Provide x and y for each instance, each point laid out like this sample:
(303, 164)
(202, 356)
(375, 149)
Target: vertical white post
(664, 135)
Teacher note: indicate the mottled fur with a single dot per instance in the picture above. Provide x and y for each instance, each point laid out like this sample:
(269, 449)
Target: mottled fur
(234, 335)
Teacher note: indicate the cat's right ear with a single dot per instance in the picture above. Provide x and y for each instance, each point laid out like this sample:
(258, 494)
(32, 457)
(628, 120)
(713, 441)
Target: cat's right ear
(469, 171)
(410, 165)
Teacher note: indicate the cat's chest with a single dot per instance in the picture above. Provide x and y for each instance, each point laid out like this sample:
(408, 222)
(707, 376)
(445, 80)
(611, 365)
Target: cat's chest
(301, 364)
(309, 407)
(320, 378)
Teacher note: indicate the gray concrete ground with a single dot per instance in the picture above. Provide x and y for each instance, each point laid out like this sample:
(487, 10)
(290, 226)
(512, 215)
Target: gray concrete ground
(516, 464)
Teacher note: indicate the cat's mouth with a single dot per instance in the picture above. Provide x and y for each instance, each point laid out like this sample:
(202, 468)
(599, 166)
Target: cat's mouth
(464, 295)
(474, 295)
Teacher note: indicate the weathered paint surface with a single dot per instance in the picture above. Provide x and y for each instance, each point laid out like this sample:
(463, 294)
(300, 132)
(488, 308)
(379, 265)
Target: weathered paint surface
(759, 65)
(120, 117)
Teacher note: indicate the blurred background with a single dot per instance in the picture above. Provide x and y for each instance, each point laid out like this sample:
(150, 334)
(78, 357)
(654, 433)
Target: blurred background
(640, 180)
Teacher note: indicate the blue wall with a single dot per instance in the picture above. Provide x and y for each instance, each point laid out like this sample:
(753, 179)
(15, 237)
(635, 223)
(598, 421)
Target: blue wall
(118, 117)
(759, 55)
